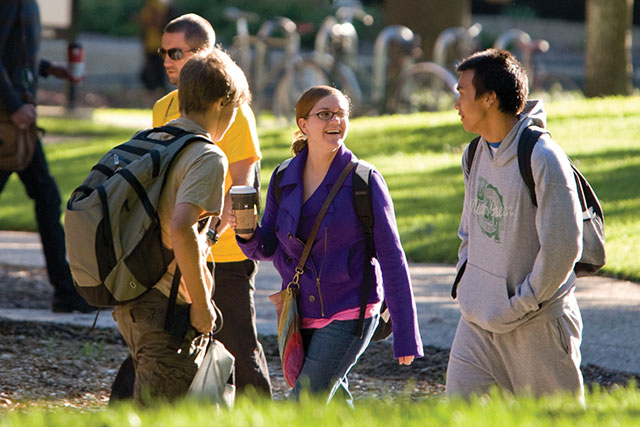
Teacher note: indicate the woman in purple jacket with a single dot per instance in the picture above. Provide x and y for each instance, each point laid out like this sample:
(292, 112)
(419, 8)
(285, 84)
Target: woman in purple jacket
(330, 288)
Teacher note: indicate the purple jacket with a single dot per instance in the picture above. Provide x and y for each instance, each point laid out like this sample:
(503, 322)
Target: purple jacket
(334, 270)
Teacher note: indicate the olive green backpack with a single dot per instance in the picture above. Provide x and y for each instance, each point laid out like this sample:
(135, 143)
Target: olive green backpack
(112, 229)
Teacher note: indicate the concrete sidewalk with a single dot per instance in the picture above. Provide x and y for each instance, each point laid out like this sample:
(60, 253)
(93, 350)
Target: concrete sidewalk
(610, 308)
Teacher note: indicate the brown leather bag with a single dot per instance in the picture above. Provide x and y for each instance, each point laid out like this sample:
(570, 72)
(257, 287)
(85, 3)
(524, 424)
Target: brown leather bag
(16, 145)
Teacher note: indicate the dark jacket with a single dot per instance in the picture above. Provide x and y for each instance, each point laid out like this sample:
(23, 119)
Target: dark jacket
(333, 274)
(19, 44)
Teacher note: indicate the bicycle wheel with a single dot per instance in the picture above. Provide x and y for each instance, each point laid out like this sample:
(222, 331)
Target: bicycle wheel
(425, 86)
(303, 75)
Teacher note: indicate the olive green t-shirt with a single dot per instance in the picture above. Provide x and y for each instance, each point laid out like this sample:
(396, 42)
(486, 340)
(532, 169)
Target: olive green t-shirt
(196, 177)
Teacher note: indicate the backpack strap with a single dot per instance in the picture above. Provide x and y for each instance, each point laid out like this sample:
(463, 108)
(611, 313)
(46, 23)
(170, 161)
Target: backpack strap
(184, 138)
(277, 190)
(471, 152)
(528, 140)
(173, 296)
(361, 182)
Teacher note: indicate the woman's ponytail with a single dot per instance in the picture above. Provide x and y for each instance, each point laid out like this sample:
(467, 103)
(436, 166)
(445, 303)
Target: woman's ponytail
(299, 142)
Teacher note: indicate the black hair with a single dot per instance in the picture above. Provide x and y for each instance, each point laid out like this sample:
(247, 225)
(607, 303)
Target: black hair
(498, 71)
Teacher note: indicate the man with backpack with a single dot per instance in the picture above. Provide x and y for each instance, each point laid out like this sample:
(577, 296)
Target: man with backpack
(191, 35)
(520, 327)
(212, 88)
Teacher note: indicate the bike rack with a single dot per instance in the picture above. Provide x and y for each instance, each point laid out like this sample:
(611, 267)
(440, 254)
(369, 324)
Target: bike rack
(340, 26)
(321, 43)
(451, 35)
(509, 36)
(524, 44)
(398, 33)
(439, 71)
(242, 20)
(291, 44)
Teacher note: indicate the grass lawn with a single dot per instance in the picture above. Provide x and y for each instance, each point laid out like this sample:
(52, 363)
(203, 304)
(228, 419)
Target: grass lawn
(617, 408)
(419, 156)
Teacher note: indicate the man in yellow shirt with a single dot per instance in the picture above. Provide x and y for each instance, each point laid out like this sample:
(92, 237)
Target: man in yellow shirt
(234, 274)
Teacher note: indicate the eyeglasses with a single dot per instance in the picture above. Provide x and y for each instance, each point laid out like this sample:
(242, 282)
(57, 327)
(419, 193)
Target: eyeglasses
(328, 115)
(174, 53)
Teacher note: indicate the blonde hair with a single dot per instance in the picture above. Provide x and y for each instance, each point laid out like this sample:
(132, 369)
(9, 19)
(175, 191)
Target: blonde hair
(209, 78)
(304, 106)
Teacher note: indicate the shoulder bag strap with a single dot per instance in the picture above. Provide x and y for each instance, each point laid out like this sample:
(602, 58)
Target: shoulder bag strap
(316, 226)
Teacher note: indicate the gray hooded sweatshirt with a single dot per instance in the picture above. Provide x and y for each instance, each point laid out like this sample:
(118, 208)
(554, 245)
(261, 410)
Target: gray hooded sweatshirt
(519, 258)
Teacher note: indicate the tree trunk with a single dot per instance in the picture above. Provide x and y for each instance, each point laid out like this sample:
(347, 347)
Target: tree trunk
(428, 18)
(608, 66)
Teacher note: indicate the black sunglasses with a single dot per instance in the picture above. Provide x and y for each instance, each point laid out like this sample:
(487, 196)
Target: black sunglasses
(174, 53)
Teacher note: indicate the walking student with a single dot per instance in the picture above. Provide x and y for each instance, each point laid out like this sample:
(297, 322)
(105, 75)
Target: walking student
(20, 68)
(520, 327)
(191, 35)
(331, 286)
(212, 89)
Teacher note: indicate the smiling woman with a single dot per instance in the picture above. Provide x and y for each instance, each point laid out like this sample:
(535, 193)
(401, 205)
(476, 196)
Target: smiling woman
(337, 322)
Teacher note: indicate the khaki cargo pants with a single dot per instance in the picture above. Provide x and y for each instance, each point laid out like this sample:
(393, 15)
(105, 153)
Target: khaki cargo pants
(164, 366)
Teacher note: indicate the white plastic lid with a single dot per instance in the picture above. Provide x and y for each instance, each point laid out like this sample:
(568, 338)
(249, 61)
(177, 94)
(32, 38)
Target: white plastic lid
(242, 189)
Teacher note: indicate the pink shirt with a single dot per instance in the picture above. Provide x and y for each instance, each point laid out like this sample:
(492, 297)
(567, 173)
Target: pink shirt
(349, 314)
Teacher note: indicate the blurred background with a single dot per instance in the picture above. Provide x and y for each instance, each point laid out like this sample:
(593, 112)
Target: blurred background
(581, 46)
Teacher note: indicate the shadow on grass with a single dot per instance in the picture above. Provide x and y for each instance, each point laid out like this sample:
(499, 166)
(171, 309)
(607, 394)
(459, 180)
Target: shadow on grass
(614, 184)
(428, 206)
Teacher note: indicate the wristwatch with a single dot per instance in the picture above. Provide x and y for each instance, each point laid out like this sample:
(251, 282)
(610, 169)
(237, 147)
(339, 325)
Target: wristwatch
(212, 235)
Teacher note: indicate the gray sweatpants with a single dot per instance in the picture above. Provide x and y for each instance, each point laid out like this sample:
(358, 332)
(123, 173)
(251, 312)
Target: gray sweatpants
(541, 356)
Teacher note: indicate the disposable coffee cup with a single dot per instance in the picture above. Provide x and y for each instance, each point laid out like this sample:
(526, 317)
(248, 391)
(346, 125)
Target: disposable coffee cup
(243, 202)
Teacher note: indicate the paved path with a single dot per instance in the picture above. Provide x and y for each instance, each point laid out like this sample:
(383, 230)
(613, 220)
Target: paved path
(610, 308)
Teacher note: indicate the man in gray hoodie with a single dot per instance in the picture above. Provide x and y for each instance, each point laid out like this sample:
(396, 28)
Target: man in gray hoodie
(520, 327)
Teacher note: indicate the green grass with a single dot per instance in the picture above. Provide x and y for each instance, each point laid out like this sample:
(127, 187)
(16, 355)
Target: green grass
(618, 408)
(419, 156)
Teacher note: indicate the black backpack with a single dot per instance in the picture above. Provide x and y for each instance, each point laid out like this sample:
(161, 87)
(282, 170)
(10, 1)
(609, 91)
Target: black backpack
(593, 256)
(361, 181)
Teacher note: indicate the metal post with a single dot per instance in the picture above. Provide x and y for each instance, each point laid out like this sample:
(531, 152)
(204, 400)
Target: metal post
(71, 38)
(380, 58)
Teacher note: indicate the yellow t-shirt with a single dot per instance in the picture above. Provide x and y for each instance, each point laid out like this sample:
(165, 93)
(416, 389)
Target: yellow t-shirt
(239, 143)
(196, 177)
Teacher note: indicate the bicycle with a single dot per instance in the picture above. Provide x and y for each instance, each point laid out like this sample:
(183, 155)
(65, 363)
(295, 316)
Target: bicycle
(431, 86)
(278, 73)
(243, 42)
(394, 75)
(396, 83)
(336, 51)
